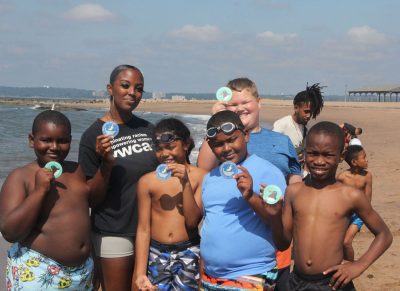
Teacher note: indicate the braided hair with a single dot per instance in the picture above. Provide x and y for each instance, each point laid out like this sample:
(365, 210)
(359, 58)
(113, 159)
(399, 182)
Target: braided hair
(312, 95)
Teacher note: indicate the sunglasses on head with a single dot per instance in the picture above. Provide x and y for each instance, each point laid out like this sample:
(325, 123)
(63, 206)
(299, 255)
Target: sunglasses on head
(166, 137)
(227, 128)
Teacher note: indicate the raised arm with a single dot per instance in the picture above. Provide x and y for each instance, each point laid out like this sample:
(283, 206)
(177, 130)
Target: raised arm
(140, 280)
(20, 209)
(98, 184)
(206, 159)
(192, 209)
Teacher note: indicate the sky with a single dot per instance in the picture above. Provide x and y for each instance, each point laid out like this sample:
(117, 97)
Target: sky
(198, 46)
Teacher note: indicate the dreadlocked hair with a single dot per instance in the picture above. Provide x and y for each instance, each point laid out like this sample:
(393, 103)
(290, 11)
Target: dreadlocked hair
(312, 95)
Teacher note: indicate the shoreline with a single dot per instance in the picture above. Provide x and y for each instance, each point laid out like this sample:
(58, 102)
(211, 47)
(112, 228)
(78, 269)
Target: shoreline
(178, 106)
(380, 137)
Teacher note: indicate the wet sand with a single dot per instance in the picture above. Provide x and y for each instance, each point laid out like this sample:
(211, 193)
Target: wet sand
(381, 138)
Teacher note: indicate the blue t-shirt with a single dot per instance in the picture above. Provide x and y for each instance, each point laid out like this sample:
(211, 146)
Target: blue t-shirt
(235, 241)
(275, 148)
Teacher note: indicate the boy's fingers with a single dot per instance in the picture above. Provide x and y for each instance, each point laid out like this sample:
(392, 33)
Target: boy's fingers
(243, 169)
(339, 282)
(330, 270)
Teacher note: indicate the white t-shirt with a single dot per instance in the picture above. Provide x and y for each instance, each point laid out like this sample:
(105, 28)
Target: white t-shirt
(291, 128)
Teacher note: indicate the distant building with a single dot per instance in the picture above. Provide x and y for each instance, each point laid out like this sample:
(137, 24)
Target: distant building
(158, 95)
(100, 93)
(178, 97)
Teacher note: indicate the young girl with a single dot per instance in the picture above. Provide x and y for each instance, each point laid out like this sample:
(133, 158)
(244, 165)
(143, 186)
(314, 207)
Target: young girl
(167, 240)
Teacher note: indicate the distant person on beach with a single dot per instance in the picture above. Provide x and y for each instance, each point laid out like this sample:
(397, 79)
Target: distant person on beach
(307, 104)
(236, 246)
(269, 145)
(351, 134)
(168, 223)
(114, 221)
(47, 218)
(316, 214)
(357, 176)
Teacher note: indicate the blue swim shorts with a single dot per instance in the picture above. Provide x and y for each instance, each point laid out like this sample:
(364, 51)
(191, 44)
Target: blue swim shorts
(357, 221)
(174, 266)
(31, 270)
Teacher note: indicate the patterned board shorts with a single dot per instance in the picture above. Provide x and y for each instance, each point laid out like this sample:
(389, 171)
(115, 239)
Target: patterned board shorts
(176, 266)
(263, 282)
(30, 270)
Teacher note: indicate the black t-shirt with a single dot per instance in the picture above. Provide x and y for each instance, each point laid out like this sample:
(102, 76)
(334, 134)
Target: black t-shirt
(134, 157)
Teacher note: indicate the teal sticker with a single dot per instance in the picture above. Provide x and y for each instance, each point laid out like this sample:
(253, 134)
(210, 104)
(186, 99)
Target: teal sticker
(224, 94)
(271, 194)
(55, 167)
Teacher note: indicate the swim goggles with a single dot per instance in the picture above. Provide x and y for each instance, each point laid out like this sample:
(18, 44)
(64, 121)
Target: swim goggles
(166, 137)
(227, 128)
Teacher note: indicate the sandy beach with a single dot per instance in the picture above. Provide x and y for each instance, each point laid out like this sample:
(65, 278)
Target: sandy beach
(381, 138)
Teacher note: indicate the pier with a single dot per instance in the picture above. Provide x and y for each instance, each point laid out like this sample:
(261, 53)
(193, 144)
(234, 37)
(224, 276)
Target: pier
(384, 91)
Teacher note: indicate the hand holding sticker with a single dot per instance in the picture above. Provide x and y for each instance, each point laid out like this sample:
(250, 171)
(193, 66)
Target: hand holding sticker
(55, 167)
(224, 94)
(271, 194)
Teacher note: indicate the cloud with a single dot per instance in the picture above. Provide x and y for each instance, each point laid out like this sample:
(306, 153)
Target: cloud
(190, 32)
(273, 38)
(89, 12)
(366, 35)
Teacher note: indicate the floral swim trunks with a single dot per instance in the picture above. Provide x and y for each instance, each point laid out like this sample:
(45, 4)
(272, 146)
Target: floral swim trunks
(30, 270)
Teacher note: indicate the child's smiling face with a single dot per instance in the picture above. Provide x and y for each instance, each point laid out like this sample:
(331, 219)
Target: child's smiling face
(230, 147)
(51, 142)
(322, 155)
(171, 152)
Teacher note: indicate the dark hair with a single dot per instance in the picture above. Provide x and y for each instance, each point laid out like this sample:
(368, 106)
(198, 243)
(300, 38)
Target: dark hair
(352, 153)
(119, 69)
(177, 127)
(224, 116)
(240, 84)
(312, 95)
(328, 128)
(50, 116)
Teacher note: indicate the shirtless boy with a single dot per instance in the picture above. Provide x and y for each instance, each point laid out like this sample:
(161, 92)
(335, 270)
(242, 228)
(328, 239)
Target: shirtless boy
(47, 218)
(357, 176)
(167, 244)
(316, 215)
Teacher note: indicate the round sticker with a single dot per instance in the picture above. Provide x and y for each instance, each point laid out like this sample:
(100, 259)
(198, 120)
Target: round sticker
(55, 167)
(224, 94)
(272, 194)
(110, 128)
(162, 172)
(228, 169)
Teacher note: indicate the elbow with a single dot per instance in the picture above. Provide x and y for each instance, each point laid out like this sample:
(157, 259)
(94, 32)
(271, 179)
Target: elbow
(10, 235)
(282, 246)
(192, 223)
(389, 239)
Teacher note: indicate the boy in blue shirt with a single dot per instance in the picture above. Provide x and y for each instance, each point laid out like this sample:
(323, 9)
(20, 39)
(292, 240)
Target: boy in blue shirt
(237, 246)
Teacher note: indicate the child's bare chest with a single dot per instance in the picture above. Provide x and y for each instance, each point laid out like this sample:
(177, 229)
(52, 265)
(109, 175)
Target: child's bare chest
(67, 194)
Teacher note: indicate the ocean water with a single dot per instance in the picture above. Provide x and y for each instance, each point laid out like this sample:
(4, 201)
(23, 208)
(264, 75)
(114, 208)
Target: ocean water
(16, 124)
